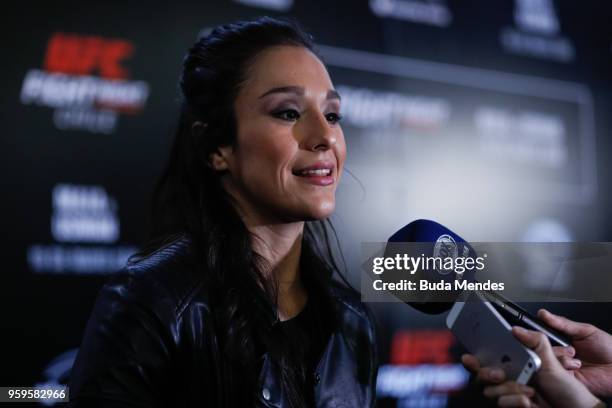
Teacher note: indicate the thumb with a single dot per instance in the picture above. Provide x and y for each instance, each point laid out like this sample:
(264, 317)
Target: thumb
(573, 329)
(537, 342)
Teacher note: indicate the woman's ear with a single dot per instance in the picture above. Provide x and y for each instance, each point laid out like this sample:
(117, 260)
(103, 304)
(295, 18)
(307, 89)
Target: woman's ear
(219, 159)
(216, 160)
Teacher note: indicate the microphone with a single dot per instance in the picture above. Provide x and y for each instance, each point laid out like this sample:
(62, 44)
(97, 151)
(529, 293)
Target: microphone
(432, 239)
(442, 242)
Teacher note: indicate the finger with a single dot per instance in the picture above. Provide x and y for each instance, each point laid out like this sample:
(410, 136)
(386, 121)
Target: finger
(570, 363)
(564, 351)
(507, 388)
(485, 375)
(519, 401)
(530, 338)
(536, 341)
(565, 325)
(470, 362)
(490, 375)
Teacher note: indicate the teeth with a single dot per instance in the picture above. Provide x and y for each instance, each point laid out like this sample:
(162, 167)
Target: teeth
(318, 172)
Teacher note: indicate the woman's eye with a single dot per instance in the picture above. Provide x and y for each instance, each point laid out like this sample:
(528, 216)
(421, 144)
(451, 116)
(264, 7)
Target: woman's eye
(333, 117)
(289, 114)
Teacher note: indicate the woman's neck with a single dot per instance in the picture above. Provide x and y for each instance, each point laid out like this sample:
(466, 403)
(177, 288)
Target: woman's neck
(281, 246)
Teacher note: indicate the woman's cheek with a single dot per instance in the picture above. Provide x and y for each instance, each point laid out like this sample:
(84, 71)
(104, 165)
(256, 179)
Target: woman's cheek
(341, 158)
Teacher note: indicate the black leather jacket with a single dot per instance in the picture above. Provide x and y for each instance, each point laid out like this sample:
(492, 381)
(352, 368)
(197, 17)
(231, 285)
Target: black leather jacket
(148, 344)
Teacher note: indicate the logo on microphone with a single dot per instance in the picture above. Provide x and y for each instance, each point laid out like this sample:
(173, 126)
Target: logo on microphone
(445, 247)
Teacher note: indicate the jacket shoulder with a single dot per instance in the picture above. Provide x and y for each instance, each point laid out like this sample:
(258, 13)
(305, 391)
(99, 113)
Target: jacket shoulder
(169, 274)
(131, 340)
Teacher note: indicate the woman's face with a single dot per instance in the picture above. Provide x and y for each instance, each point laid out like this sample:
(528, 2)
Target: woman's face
(290, 148)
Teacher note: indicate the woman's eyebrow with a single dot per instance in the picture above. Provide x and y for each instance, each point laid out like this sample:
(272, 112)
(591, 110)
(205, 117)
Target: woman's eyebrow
(298, 90)
(333, 94)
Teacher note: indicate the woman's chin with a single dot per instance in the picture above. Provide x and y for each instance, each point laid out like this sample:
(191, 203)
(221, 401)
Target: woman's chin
(312, 210)
(321, 210)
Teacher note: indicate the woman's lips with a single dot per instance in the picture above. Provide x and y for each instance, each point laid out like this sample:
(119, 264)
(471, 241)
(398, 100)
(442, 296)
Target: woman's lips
(320, 174)
(318, 180)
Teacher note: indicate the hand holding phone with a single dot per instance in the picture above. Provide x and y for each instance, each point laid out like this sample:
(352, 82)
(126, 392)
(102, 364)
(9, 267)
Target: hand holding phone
(554, 386)
(487, 335)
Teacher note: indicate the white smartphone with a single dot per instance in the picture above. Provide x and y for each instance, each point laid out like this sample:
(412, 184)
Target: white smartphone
(485, 333)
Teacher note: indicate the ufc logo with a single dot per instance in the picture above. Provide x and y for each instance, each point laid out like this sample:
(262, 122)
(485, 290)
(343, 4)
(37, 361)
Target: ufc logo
(82, 55)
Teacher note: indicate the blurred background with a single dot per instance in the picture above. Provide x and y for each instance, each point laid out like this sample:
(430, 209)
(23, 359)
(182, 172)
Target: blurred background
(490, 117)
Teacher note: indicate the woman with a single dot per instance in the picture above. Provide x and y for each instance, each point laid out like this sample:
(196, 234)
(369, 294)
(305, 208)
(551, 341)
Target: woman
(234, 304)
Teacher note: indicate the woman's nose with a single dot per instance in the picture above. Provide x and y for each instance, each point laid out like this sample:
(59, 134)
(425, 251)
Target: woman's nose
(319, 134)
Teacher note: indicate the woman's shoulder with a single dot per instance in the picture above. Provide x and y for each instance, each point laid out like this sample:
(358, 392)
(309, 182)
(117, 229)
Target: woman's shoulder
(135, 331)
(164, 278)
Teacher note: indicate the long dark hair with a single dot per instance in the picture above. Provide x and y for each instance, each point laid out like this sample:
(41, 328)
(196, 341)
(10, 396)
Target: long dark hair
(189, 200)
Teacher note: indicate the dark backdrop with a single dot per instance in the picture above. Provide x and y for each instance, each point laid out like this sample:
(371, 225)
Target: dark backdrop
(492, 117)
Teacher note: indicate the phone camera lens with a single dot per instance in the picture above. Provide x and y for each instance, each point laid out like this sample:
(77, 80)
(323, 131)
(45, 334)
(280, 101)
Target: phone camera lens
(529, 365)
